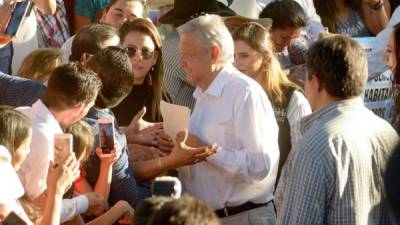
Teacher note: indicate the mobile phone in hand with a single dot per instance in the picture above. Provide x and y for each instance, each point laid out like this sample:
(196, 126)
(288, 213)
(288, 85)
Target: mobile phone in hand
(62, 147)
(13, 219)
(21, 10)
(106, 134)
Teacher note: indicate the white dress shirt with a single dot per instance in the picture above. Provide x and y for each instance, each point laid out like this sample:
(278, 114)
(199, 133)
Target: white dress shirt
(235, 113)
(33, 171)
(314, 26)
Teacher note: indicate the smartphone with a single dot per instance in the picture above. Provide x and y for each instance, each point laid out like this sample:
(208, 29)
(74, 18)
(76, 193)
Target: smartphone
(20, 10)
(63, 146)
(13, 219)
(166, 186)
(106, 134)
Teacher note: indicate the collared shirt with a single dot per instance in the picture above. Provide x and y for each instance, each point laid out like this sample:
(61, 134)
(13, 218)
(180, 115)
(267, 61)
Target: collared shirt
(235, 113)
(33, 171)
(53, 29)
(179, 89)
(336, 174)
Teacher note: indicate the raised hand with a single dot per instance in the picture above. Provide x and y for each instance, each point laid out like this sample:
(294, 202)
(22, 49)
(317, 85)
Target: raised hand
(109, 158)
(142, 132)
(183, 155)
(61, 176)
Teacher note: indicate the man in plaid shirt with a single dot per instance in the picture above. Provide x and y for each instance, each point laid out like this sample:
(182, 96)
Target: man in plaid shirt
(335, 174)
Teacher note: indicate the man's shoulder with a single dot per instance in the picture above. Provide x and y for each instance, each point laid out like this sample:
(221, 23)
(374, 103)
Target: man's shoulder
(238, 82)
(348, 127)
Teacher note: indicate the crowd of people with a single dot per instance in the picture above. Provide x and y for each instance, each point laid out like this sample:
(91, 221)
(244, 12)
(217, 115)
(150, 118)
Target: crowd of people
(282, 129)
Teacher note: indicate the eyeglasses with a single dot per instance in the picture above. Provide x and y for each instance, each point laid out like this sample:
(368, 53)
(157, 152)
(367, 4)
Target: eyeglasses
(143, 53)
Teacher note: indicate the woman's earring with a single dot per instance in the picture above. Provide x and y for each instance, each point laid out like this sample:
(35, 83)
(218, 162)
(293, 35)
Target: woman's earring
(152, 68)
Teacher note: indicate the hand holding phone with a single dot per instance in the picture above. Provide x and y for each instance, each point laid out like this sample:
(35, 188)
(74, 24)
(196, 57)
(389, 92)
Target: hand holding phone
(62, 147)
(20, 11)
(13, 219)
(106, 134)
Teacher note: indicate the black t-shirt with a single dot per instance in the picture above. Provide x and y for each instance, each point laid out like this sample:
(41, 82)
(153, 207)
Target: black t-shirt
(141, 95)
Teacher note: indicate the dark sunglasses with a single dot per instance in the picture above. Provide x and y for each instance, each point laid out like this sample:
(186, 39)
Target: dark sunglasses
(144, 53)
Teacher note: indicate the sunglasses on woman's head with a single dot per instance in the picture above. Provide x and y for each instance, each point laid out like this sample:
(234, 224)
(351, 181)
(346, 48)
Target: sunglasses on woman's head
(143, 53)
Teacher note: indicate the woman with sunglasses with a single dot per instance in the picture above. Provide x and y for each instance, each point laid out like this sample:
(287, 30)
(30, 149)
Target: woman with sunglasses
(143, 44)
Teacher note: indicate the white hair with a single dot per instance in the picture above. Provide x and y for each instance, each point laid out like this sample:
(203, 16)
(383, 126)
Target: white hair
(211, 30)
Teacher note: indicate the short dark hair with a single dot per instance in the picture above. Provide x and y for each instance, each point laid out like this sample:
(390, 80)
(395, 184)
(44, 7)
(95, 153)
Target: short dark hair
(14, 128)
(90, 39)
(285, 14)
(114, 68)
(340, 64)
(185, 211)
(71, 84)
(147, 208)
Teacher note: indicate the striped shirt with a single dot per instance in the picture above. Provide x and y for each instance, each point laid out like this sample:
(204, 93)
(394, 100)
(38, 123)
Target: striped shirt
(180, 90)
(336, 174)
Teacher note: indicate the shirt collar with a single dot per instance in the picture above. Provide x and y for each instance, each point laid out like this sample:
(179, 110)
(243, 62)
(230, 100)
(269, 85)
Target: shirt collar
(332, 109)
(41, 111)
(218, 84)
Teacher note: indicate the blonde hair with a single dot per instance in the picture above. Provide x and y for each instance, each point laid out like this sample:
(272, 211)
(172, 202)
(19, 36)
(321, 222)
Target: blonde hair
(274, 80)
(40, 63)
(83, 140)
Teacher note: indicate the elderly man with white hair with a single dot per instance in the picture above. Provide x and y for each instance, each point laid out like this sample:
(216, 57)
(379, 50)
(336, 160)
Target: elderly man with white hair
(234, 112)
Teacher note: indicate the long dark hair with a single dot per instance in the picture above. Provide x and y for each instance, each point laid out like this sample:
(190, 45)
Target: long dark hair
(328, 11)
(154, 77)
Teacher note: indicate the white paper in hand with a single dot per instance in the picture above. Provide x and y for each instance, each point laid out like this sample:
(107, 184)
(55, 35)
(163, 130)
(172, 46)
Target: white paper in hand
(176, 118)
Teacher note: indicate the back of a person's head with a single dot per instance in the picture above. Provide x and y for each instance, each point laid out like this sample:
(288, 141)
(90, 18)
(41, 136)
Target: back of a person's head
(71, 84)
(285, 14)
(40, 63)
(185, 211)
(90, 39)
(83, 140)
(147, 208)
(15, 128)
(115, 71)
(340, 64)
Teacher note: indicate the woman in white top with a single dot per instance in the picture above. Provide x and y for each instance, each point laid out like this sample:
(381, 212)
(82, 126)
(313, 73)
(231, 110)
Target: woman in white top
(254, 56)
